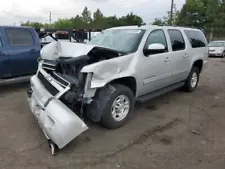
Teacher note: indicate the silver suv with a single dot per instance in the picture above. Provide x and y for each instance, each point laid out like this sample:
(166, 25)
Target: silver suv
(102, 79)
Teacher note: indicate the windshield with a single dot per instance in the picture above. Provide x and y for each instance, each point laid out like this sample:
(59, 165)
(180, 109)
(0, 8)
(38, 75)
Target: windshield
(216, 44)
(123, 40)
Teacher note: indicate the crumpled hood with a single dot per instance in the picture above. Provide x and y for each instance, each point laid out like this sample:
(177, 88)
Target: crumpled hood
(58, 49)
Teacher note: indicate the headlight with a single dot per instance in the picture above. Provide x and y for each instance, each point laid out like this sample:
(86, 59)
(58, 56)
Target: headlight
(88, 81)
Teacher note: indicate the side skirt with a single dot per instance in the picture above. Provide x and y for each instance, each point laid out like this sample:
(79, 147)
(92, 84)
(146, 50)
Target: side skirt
(159, 92)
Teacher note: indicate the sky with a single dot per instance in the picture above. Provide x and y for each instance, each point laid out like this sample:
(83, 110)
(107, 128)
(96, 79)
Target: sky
(17, 11)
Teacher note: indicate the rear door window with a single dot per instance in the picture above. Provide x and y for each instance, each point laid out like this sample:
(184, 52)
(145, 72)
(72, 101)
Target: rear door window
(196, 38)
(19, 37)
(176, 39)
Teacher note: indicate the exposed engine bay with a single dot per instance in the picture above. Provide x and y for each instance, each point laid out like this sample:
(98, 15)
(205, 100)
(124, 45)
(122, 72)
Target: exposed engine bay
(69, 69)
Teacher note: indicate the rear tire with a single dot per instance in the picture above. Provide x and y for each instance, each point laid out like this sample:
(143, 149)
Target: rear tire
(192, 80)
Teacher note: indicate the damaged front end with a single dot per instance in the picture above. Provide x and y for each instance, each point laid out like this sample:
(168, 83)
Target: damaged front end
(59, 90)
(59, 123)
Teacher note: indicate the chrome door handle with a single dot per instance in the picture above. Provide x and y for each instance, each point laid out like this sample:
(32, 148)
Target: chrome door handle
(167, 59)
(32, 50)
(185, 56)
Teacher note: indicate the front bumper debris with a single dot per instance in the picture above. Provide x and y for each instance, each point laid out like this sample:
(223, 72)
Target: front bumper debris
(59, 124)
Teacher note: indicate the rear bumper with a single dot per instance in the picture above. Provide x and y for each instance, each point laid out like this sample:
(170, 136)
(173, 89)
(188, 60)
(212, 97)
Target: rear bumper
(58, 122)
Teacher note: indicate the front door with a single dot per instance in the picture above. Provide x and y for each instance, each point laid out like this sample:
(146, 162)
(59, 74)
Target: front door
(23, 51)
(4, 59)
(155, 70)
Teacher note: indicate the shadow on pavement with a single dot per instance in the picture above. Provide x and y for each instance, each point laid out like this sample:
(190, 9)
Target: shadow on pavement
(13, 87)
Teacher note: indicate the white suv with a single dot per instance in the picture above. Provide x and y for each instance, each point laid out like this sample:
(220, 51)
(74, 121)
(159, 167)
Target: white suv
(104, 78)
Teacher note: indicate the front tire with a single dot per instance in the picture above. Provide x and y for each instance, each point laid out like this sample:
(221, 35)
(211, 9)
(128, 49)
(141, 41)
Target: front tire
(118, 108)
(192, 80)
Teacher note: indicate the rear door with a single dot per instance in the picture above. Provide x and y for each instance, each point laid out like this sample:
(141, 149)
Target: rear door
(179, 55)
(4, 58)
(23, 50)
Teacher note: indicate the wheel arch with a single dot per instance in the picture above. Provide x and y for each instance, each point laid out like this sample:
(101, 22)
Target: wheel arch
(128, 81)
(199, 64)
(108, 88)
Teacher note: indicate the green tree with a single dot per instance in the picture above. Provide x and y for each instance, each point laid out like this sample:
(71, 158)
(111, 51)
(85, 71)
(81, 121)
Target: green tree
(86, 15)
(78, 22)
(130, 19)
(63, 23)
(201, 14)
(35, 25)
(159, 22)
(166, 20)
(98, 15)
(198, 13)
(85, 21)
(112, 21)
(99, 21)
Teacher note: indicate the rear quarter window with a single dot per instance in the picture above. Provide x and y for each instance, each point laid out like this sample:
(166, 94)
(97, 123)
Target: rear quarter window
(196, 38)
(19, 37)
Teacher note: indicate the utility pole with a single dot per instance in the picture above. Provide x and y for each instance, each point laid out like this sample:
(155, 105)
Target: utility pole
(50, 18)
(171, 11)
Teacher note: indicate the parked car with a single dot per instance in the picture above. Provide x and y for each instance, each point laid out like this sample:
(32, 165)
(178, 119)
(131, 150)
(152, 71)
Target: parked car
(217, 48)
(104, 77)
(19, 51)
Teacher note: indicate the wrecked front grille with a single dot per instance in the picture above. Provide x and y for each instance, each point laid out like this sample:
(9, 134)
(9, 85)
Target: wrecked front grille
(60, 79)
(49, 65)
(48, 86)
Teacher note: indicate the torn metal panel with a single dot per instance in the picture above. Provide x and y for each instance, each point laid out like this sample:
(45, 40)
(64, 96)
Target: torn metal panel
(76, 59)
(59, 123)
(108, 70)
(58, 49)
(89, 92)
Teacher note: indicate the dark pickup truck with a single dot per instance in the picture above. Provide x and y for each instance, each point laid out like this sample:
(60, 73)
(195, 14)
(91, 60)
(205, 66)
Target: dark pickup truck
(19, 50)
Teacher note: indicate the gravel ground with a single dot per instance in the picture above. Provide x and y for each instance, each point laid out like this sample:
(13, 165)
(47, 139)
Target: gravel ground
(175, 131)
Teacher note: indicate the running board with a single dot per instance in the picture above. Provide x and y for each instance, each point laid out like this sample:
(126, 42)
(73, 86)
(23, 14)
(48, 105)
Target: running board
(15, 80)
(159, 92)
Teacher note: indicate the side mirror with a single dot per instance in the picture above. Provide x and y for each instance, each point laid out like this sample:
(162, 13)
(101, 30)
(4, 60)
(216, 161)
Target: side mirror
(154, 48)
